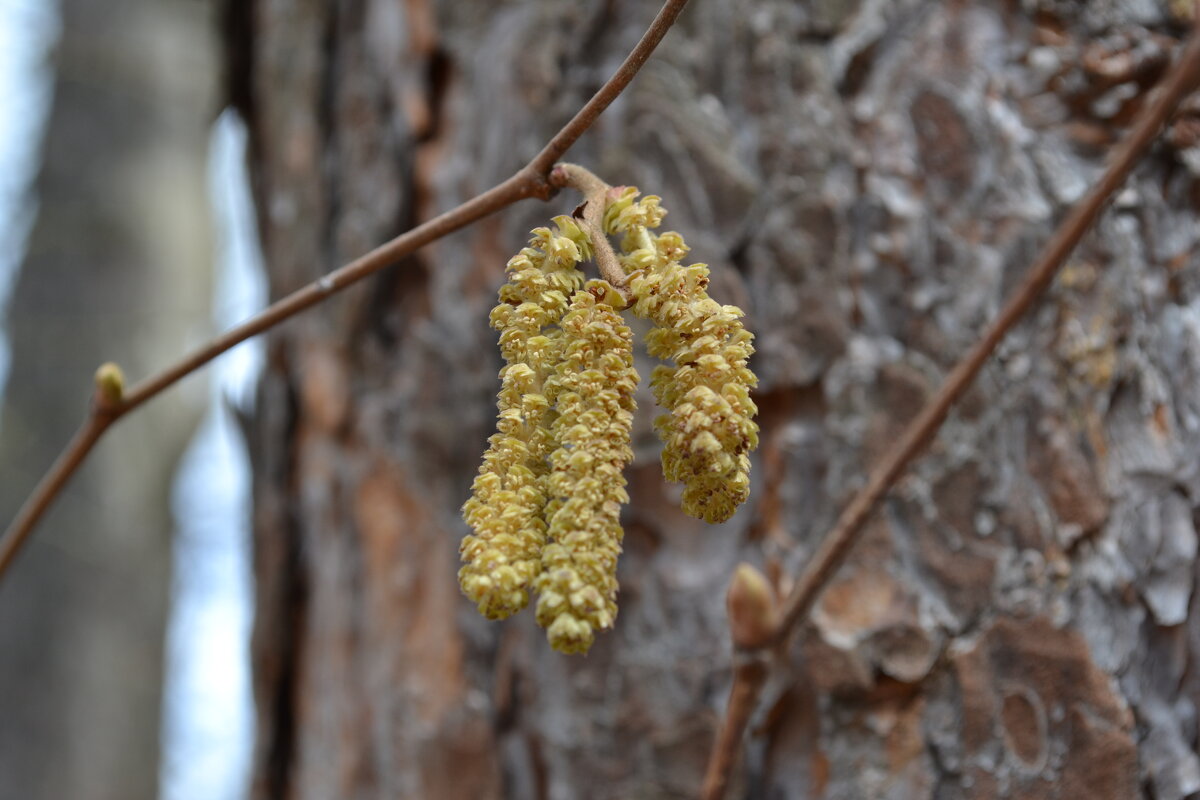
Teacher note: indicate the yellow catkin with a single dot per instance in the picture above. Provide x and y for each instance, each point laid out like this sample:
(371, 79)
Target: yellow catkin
(545, 508)
(710, 430)
(595, 387)
(502, 555)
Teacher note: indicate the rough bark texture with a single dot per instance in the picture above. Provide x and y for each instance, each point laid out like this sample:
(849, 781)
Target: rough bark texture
(118, 269)
(867, 179)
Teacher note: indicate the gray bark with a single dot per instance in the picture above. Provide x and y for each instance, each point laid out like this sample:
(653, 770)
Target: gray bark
(117, 269)
(868, 180)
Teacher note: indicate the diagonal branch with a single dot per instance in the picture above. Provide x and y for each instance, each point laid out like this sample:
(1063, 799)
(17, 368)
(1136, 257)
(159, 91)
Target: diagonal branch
(837, 544)
(530, 181)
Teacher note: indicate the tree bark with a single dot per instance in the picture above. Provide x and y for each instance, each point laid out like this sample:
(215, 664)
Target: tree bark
(867, 179)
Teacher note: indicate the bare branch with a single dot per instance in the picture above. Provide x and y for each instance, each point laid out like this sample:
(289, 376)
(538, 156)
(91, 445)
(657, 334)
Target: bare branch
(544, 161)
(753, 615)
(94, 426)
(530, 181)
(749, 675)
(837, 544)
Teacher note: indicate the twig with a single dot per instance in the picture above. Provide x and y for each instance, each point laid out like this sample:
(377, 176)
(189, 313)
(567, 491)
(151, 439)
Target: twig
(51, 484)
(836, 544)
(107, 397)
(528, 182)
(596, 194)
(753, 616)
(749, 675)
(544, 161)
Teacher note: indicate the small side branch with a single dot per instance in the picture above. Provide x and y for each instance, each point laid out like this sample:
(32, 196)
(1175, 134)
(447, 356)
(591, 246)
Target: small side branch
(104, 410)
(596, 195)
(753, 617)
(530, 181)
(839, 541)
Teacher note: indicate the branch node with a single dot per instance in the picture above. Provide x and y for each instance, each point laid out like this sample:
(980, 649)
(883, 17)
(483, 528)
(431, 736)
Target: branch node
(558, 177)
(536, 184)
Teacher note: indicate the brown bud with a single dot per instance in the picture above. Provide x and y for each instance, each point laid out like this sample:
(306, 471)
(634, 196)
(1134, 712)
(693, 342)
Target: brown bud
(753, 611)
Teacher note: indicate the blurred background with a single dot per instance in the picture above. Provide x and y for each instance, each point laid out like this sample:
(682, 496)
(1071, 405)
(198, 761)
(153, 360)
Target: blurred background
(250, 588)
(127, 234)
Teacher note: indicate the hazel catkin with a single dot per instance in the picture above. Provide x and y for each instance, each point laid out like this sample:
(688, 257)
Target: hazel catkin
(709, 430)
(577, 588)
(502, 555)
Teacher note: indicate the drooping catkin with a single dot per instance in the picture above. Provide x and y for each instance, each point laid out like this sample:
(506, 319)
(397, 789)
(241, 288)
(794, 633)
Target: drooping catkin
(710, 431)
(502, 555)
(596, 383)
(546, 505)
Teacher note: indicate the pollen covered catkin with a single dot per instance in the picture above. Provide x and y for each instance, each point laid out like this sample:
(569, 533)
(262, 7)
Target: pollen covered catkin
(502, 555)
(709, 430)
(546, 505)
(595, 387)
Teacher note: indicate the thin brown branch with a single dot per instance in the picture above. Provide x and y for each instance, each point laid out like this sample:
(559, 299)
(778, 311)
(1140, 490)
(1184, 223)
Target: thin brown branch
(50, 485)
(530, 181)
(518, 187)
(839, 541)
(596, 194)
(94, 426)
(749, 675)
(544, 161)
(753, 616)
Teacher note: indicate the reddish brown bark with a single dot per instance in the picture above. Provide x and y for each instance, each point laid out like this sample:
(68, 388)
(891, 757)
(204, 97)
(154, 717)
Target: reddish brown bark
(868, 180)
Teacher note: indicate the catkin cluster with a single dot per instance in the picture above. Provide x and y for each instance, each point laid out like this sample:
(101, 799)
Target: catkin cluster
(545, 508)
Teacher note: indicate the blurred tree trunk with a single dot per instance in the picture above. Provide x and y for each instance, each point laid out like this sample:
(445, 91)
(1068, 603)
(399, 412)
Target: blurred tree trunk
(117, 269)
(868, 180)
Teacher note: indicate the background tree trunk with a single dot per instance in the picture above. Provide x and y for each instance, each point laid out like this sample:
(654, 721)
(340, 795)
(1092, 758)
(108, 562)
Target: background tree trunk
(867, 179)
(118, 268)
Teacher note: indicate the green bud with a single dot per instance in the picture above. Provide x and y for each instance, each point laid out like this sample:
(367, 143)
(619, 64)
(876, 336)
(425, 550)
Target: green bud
(110, 384)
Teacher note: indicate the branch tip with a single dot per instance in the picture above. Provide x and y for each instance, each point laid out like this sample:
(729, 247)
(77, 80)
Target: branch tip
(110, 385)
(753, 608)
